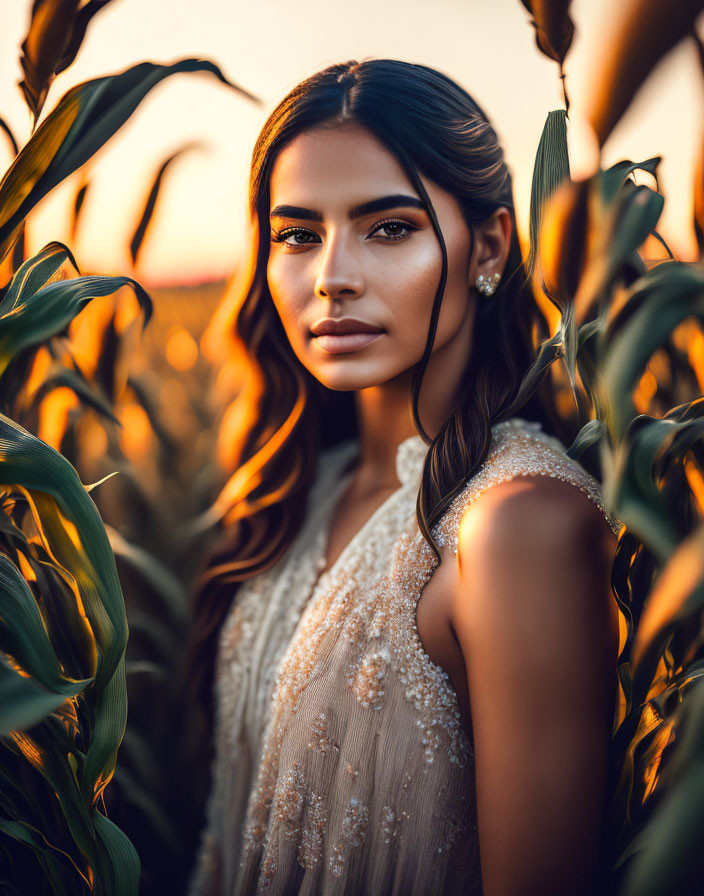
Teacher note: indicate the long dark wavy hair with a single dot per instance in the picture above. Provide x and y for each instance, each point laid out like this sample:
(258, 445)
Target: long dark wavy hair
(433, 127)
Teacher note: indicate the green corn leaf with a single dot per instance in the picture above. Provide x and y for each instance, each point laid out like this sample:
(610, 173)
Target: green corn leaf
(568, 332)
(591, 433)
(549, 352)
(620, 228)
(46, 855)
(551, 167)
(47, 312)
(120, 862)
(73, 534)
(22, 702)
(668, 858)
(611, 180)
(667, 294)
(35, 273)
(48, 749)
(23, 634)
(630, 487)
(84, 120)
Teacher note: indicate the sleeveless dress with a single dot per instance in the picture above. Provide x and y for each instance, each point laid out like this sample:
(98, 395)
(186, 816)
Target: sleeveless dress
(341, 762)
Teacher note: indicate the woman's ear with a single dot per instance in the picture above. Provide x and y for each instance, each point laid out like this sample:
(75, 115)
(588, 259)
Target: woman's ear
(493, 241)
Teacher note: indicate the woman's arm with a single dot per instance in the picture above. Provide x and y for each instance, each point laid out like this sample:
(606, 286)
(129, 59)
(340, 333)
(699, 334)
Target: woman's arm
(538, 628)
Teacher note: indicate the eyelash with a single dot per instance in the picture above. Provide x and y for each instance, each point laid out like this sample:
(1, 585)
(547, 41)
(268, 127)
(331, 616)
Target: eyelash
(282, 235)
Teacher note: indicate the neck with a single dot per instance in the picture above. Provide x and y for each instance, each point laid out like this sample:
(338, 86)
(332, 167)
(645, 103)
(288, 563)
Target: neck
(385, 416)
(385, 420)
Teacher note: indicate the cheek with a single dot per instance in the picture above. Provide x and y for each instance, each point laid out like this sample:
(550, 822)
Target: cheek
(414, 284)
(453, 312)
(286, 296)
(457, 298)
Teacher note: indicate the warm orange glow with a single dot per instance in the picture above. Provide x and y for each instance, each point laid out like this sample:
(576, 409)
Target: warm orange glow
(53, 415)
(86, 332)
(236, 421)
(645, 391)
(102, 782)
(218, 337)
(69, 718)
(232, 376)
(621, 709)
(564, 401)
(14, 665)
(229, 503)
(695, 354)
(660, 741)
(136, 434)
(181, 349)
(696, 482)
(72, 532)
(93, 440)
(682, 573)
(40, 367)
(28, 748)
(25, 568)
(127, 309)
(175, 409)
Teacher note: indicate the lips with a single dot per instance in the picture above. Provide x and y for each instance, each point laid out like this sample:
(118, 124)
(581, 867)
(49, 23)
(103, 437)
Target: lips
(330, 327)
(342, 336)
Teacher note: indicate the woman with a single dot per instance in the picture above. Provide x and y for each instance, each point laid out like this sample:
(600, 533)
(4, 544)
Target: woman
(410, 547)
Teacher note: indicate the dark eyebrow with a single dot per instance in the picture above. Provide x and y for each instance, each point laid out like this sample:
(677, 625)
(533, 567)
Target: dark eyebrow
(398, 200)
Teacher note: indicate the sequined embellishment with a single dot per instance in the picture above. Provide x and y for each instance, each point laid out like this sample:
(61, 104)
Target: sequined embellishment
(391, 824)
(368, 683)
(288, 802)
(299, 813)
(310, 852)
(353, 833)
(320, 735)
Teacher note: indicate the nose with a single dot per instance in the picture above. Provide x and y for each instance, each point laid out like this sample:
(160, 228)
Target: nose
(340, 273)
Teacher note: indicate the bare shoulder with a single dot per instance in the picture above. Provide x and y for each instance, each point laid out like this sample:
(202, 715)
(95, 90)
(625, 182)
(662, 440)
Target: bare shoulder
(537, 624)
(533, 537)
(553, 507)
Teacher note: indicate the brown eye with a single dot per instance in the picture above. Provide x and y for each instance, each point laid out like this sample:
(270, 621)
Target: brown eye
(394, 229)
(284, 235)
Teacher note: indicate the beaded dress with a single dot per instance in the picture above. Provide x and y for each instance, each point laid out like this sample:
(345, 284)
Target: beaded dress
(341, 762)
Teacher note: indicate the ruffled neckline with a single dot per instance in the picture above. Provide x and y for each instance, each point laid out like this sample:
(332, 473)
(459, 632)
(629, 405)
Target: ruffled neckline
(410, 457)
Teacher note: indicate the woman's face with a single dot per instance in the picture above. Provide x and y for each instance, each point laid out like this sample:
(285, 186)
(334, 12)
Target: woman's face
(352, 248)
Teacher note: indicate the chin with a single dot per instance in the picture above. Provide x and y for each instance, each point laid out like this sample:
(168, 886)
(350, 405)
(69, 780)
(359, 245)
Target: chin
(344, 382)
(355, 376)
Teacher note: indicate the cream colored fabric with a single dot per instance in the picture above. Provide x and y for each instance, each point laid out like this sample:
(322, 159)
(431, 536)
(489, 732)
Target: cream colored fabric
(341, 763)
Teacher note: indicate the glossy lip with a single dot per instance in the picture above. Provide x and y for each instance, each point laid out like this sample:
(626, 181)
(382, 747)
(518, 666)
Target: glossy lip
(328, 326)
(346, 342)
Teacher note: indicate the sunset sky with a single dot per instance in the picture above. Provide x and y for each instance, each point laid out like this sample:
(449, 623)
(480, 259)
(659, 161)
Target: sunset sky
(267, 47)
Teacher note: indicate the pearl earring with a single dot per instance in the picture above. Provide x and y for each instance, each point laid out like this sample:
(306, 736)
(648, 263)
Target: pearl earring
(487, 285)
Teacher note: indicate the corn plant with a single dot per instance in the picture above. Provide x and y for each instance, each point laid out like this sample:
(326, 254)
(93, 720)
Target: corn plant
(63, 627)
(629, 341)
